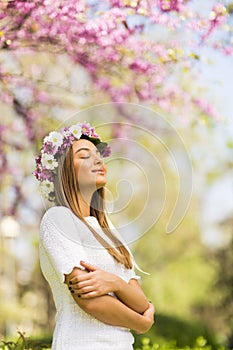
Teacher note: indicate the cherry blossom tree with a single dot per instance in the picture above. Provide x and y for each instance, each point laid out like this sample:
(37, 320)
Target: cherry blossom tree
(130, 49)
(116, 39)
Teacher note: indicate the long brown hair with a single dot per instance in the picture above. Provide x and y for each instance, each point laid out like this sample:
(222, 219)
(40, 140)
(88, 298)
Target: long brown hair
(66, 194)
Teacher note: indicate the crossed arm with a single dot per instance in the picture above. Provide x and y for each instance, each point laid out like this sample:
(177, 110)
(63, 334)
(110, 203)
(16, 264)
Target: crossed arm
(90, 288)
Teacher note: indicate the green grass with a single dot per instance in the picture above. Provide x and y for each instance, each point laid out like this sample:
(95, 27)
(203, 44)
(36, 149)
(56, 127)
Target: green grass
(200, 344)
(24, 343)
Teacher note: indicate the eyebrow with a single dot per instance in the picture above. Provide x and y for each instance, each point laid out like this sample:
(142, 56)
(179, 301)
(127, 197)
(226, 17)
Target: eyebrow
(85, 149)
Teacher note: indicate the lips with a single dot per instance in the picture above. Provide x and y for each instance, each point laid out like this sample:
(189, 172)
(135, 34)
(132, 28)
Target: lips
(99, 171)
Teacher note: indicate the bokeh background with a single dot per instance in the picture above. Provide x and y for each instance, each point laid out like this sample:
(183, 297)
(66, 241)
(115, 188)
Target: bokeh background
(157, 73)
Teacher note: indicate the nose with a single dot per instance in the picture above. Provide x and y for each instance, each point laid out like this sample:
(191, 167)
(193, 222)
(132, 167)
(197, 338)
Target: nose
(98, 159)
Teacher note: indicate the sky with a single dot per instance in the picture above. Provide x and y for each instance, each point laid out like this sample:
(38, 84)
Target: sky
(217, 200)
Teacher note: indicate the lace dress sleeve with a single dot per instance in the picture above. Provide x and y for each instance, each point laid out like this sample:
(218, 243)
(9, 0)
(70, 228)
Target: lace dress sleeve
(61, 239)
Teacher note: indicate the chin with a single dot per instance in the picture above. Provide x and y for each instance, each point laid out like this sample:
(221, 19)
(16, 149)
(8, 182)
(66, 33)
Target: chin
(100, 184)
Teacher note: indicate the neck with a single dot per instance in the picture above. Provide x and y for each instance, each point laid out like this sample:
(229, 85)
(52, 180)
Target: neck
(84, 203)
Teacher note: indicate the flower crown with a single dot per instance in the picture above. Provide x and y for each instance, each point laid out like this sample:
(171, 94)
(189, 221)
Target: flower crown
(54, 145)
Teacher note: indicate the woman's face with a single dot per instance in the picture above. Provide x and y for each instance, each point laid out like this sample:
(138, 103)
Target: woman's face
(89, 168)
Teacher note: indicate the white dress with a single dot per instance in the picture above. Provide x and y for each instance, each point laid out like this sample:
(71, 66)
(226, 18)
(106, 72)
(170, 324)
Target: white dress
(64, 241)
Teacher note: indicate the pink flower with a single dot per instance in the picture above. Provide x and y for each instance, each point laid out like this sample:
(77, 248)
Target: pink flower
(106, 151)
(216, 18)
(170, 5)
(86, 129)
(139, 66)
(49, 148)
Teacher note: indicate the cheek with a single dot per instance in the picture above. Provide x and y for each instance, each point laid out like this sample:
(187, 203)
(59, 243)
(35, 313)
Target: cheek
(82, 170)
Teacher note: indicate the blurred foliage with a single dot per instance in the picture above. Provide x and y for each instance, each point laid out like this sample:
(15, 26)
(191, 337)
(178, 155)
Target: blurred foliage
(230, 8)
(219, 308)
(200, 343)
(181, 276)
(224, 285)
(172, 329)
(24, 343)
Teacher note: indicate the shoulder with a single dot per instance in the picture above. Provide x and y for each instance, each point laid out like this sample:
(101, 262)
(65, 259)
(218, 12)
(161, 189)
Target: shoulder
(55, 212)
(61, 219)
(55, 215)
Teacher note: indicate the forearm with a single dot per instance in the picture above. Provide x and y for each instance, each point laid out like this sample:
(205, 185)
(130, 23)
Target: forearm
(109, 310)
(132, 295)
(99, 282)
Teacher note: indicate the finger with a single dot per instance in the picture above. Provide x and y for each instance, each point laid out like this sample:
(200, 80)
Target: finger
(87, 288)
(80, 285)
(79, 279)
(85, 277)
(82, 291)
(88, 266)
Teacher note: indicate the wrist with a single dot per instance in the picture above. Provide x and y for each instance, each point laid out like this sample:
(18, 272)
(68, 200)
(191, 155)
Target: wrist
(119, 285)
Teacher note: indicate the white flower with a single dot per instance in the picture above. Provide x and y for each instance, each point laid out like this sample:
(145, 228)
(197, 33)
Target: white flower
(76, 130)
(55, 137)
(48, 161)
(46, 187)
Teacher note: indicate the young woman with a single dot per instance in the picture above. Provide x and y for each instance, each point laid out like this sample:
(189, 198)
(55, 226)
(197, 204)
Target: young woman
(90, 271)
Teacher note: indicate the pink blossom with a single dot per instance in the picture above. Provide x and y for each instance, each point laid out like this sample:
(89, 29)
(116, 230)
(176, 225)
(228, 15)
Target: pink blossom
(50, 148)
(216, 18)
(103, 83)
(141, 66)
(103, 43)
(170, 5)
(206, 107)
(86, 129)
(106, 152)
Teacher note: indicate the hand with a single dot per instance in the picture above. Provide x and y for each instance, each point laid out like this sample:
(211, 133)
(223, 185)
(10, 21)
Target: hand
(148, 321)
(93, 284)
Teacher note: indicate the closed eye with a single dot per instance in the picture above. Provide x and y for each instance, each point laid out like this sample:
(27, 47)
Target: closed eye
(85, 153)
